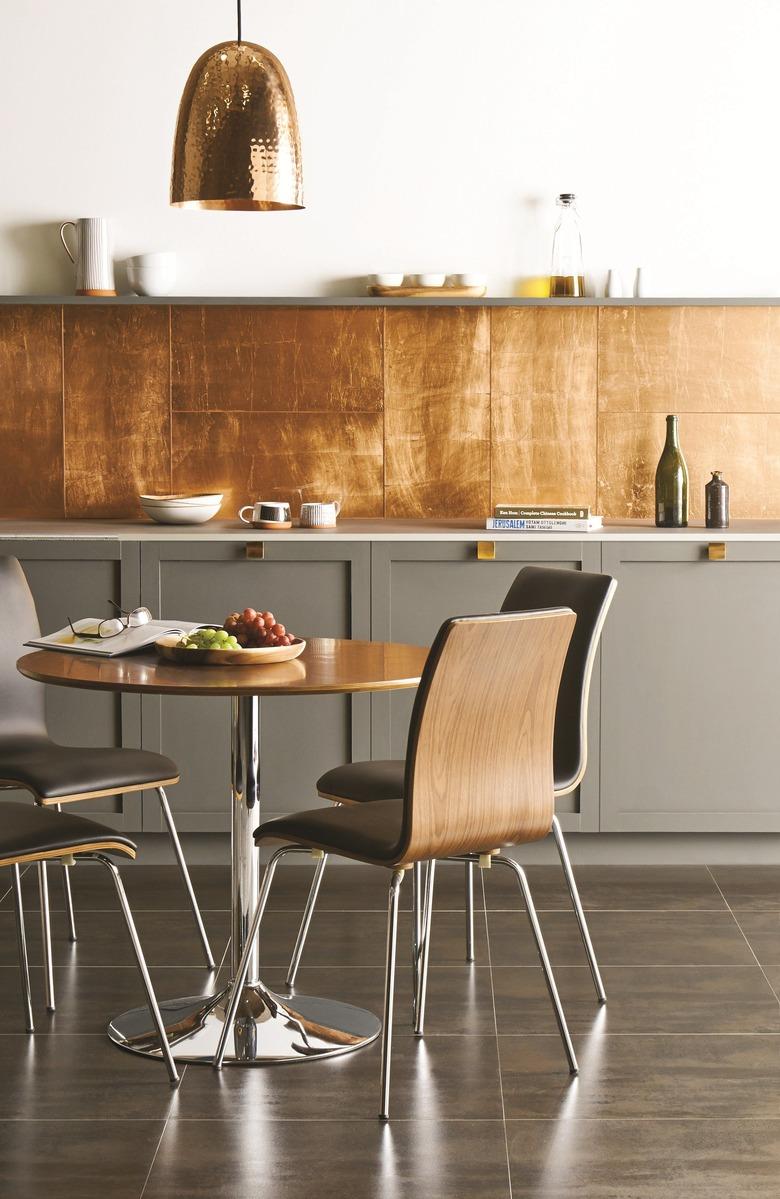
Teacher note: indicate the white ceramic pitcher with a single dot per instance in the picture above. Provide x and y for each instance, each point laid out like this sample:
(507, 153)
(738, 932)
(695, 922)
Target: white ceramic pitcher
(94, 264)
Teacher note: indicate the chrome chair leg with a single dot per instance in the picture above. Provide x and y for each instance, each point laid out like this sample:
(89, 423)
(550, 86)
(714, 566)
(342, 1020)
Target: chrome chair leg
(387, 1028)
(308, 912)
(69, 904)
(151, 998)
(48, 968)
(418, 890)
(579, 913)
(543, 958)
(469, 911)
(185, 874)
(24, 965)
(68, 895)
(243, 966)
(421, 980)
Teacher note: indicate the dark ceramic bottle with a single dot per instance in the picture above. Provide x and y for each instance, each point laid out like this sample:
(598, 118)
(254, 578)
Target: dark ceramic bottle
(716, 502)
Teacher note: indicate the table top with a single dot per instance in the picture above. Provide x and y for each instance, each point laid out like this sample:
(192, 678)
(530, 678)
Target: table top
(327, 666)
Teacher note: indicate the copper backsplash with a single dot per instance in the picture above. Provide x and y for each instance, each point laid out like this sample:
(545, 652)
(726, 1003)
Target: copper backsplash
(400, 412)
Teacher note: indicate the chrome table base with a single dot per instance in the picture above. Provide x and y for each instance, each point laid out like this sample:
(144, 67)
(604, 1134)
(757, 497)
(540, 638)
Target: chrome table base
(268, 1027)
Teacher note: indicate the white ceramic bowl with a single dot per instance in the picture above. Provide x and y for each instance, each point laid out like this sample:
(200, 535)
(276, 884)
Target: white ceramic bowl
(469, 279)
(388, 279)
(431, 279)
(185, 510)
(152, 274)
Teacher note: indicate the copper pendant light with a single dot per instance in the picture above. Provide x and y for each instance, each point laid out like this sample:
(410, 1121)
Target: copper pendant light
(237, 145)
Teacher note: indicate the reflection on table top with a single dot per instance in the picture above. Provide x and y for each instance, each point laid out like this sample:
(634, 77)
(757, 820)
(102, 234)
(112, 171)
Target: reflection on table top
(328, 665)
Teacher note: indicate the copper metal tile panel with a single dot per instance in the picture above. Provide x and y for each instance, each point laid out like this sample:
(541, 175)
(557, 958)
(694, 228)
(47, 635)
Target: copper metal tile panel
(544, 405)
(437, 412)
(719, 359)
(293, 456)
(117, 408)
(239, 359)
(31, 483)
(746, 447)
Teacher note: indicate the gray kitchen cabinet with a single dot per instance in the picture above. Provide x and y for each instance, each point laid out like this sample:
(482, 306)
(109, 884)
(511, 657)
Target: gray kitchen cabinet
(417, 585)
(690, 687)
(77, 578)
(318, 590)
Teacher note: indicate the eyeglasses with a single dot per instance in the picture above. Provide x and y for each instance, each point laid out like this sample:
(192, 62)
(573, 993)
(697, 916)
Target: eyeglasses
(112, 626)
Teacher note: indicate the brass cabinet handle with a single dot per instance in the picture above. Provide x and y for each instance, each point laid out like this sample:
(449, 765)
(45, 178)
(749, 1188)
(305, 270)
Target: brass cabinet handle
(486, 551)
(255, 549)
(716, 551)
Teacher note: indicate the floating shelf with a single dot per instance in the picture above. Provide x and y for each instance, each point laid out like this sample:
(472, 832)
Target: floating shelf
(385, 302)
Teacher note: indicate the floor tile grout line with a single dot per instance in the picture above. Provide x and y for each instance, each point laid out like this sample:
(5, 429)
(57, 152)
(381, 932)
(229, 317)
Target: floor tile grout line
(157, 1147)
(495, 1027)
(747, 942)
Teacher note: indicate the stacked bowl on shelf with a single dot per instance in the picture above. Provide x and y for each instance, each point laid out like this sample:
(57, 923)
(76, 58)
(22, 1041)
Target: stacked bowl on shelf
(182, 509)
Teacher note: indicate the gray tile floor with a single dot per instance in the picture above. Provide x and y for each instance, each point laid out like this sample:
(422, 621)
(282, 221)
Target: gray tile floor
(678, 1094)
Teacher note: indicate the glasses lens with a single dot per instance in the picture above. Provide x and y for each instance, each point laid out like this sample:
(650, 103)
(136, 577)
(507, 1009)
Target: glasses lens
(110, 627)
(139, 616)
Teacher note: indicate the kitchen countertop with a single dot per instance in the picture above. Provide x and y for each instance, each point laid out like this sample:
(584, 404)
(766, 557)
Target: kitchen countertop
(372, 530)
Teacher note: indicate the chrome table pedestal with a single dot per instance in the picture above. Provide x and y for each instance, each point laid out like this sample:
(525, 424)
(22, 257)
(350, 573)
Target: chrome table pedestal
(268, 1028)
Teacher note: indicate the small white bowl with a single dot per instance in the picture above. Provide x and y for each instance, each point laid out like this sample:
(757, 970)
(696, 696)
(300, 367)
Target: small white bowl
(431, 279)
(152, 274)
(468, 279)
(388, 279)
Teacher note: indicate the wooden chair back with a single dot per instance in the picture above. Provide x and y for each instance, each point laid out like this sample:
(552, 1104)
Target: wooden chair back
(479, 764)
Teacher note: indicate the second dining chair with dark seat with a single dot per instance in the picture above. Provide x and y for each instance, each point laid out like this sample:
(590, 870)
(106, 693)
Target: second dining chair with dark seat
(478, 778)
(59, 774)
(589, 596)
(28, 836)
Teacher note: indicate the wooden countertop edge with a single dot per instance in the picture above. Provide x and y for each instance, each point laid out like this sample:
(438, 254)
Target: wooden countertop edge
(363, 529)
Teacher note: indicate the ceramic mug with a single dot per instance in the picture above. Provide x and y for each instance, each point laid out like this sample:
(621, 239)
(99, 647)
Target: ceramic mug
(266, 511)
(320, 516)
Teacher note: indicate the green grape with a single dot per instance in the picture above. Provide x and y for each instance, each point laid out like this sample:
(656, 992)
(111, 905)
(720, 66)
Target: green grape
(221, 635)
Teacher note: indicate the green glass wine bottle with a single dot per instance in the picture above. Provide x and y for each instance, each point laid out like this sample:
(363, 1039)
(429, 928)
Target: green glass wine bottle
(671, 482)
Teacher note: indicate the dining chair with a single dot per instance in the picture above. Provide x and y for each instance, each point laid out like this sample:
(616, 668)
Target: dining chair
(59, 774)
(589, 596)
(478, 778)
(30, 835)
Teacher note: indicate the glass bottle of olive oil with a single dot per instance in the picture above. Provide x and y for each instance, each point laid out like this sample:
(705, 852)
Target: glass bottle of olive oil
(671, 481)
(567, 277)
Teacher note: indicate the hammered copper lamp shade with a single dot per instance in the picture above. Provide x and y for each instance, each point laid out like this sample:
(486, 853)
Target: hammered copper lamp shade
(237, 143)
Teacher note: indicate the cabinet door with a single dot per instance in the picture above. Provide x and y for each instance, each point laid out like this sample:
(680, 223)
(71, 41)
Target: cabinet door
(77, 578)
(418, 585)
(691, 689)
(318, 590)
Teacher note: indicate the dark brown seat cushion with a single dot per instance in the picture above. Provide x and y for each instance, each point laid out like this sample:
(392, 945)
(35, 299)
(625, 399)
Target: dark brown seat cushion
(27, 831)
(370, 834)
(54, 771)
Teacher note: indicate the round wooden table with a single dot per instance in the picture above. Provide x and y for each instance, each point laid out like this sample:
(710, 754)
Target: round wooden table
(269, 1028)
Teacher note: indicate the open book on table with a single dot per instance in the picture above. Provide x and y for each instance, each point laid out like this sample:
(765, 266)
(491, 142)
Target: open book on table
(135, 638)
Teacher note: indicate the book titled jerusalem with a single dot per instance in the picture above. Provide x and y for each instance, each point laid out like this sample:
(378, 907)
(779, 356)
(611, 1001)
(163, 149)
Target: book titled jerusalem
(542, 512)
(544, 524)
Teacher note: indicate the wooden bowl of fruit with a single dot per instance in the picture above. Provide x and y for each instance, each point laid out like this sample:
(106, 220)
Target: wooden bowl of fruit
(248, 638)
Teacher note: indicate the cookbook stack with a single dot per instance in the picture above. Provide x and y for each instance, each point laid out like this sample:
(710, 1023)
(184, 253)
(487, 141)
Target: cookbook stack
(543, 519)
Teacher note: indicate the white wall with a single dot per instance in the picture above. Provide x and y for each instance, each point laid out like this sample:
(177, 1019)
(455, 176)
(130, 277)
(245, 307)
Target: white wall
(436, 134)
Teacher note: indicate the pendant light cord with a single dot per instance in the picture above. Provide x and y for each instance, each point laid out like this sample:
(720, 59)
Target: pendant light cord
(238, 20)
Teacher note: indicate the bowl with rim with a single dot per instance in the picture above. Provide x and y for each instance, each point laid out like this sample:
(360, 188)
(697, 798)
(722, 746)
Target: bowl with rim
(168, 647)
(183, 509)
